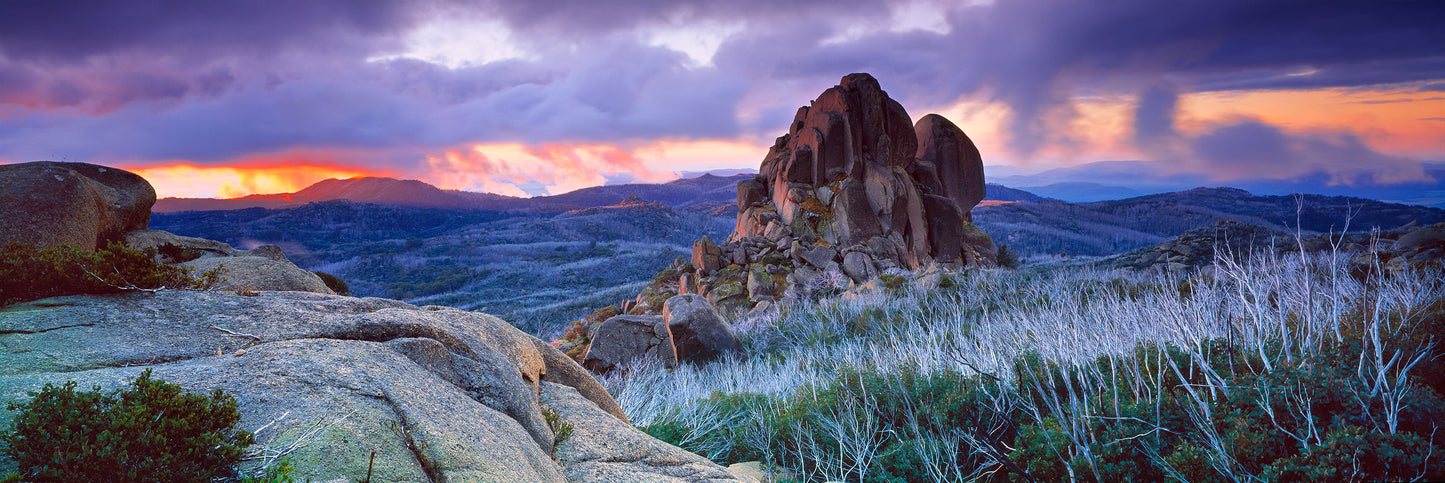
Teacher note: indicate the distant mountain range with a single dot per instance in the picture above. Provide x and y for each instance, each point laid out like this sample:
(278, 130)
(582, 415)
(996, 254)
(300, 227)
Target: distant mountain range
(1115, 226)
(1023, 219)
(416, 194)
(1090, 182)
(546, 260)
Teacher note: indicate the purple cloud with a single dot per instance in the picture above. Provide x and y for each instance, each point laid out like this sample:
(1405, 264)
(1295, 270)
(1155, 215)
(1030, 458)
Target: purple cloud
(212, 81)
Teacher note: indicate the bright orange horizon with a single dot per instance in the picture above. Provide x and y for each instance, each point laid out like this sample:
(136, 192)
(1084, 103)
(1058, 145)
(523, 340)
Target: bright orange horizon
(506, 98)
(1391, 121)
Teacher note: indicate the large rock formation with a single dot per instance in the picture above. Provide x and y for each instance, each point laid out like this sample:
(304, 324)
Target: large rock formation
(440, 394)
(88, 206)
(854, 172)
(50, 203)
(854, 187)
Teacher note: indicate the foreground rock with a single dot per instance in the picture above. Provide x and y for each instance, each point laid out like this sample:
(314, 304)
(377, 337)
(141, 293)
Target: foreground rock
(50, 203)
(603, 448)
(439, 394)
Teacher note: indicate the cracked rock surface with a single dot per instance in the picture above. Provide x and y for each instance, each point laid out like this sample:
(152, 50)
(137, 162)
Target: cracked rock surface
(602, 448)
(440, 394)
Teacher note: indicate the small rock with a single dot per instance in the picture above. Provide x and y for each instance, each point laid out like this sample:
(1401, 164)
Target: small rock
(699, 333)
(859, 266)
(625, 338)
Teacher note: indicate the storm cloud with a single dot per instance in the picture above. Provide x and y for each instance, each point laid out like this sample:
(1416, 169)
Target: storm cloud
(213, 81)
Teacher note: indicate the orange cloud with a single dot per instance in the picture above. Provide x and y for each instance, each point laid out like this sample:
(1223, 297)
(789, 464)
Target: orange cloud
(1397, 122)
(1392, 121)
(192, 181)
(520, 170)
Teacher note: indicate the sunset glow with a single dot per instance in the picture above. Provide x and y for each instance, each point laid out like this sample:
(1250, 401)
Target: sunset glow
(226, 98)
(192, 181)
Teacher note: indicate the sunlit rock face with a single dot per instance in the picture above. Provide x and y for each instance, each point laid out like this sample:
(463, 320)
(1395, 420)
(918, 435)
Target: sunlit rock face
(853, 189)
(854, 171)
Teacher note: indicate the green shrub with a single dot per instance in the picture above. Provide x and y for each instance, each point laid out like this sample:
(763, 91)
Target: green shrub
(561, 429)
(152, 431)
(335, 283)
(1007, 258)
(278, 472)
(27, 273)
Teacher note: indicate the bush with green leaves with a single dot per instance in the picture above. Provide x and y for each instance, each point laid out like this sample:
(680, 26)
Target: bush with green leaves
(335, 283)
(28, 273)
(152, 431)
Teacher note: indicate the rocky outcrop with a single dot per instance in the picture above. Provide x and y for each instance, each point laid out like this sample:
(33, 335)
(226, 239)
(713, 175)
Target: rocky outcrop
(948, 164)
(50, 203)
(250, 273)
(853, 167)
(853, 190)
(854, 186)
(440, 394)
(262, 268)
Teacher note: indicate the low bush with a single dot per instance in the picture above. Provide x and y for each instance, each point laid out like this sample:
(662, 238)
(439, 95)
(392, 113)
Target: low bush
(1007, 258)
(335, 283)
(28, 273)
(152, 431)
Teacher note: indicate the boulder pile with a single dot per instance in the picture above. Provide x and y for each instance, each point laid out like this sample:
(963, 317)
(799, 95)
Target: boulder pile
(854, 187)
(689, 330)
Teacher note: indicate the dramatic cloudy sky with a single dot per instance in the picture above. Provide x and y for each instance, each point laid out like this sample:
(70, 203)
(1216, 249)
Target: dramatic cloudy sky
(220, 98)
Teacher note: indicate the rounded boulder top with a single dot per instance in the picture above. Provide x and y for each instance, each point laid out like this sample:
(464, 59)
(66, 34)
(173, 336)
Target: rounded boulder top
(49, 203)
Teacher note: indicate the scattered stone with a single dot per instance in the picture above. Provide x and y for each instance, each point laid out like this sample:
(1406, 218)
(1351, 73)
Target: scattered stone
(623, 339)
(705, 256)
(819, 256)
(760, 283)
(859, 267)
(700, 335)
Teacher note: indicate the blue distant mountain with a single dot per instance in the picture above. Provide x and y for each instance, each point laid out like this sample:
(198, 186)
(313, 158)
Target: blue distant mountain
(1109, 180)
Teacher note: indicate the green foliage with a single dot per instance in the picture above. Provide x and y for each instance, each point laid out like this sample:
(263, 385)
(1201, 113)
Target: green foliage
(28, 273)
(561, 429)
(335, 283)
(150, 432)
(893, 283)
(278, 472)
(1360, 454)
(1007, 258)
